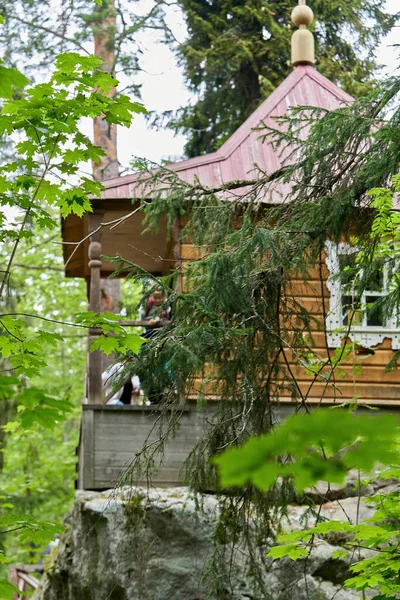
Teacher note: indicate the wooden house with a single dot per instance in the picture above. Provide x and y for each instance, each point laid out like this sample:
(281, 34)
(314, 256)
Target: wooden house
(111, 435)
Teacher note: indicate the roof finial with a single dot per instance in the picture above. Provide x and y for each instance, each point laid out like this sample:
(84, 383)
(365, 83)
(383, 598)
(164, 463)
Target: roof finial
(302, 39)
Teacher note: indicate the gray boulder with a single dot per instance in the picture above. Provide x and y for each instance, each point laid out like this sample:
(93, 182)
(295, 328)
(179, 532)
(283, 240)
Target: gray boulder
(131, 544)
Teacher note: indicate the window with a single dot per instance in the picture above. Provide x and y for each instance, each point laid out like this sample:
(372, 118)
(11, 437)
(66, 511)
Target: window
(359, 314)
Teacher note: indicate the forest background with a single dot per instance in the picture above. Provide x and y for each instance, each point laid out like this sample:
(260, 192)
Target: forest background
(37, 467)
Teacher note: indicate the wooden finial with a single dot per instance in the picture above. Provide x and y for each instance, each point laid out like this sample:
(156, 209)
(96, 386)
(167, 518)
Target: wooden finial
(302, 39)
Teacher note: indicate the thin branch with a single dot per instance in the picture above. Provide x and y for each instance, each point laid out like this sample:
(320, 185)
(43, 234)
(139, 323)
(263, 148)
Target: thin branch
(50, 239)
(161, 259)
(37, 268)
(48, 30)
(230, 185)
(13, 529)
(16, 314)
(114, 224)
(9, 332)
(126, 32)
(25, 219)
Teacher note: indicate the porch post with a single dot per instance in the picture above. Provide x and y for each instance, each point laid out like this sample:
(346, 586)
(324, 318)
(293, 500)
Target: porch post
(94, 367)
(177, 252)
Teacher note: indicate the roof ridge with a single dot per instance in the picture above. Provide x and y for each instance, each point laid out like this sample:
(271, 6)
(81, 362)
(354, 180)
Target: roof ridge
(274, 98)
(262, 112)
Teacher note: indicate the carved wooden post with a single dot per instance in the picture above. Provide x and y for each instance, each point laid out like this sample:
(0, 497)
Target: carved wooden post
(177, 251)
(13, 579)
(94, 383)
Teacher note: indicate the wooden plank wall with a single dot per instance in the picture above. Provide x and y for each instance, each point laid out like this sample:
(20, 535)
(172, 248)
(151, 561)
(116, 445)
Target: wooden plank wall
(118, 433)
(372, 385)
(112, 435)
(363, 372)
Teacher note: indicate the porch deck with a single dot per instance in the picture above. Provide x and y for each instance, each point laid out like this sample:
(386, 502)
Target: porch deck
(112, 436)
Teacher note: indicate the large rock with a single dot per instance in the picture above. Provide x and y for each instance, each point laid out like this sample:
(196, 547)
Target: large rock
(133, 545)
(116, 551)
(353, 486)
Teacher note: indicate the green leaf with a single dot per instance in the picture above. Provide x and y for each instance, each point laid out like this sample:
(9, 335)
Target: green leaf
(106, 344)
(74, 201)
(7, 386)
(11, 426)
(132, 342)
(107, 322)
(6, 345)
(396, 183)
(92, 187)
(316, 450)
(340, 554)
(37, 407)
(292, 551)
(50, 338)
(73, 63)
(10, 79)
(333, 526)
(7, 590)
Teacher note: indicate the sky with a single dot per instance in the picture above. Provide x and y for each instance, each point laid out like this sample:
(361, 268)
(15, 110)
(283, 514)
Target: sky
(388, 55)
(163, 89)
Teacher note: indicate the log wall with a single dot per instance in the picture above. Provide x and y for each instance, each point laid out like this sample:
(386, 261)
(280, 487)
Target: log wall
(372, 385)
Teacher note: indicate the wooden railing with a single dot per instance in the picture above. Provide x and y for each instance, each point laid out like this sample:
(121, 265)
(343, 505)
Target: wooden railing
(21, 577)
(95, 392)
(94, 387)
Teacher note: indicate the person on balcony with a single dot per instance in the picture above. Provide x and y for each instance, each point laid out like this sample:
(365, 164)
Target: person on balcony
(156, 314)
(120, 385)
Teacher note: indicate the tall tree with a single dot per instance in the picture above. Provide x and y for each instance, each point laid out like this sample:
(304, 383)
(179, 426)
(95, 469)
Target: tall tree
(104, 27)
(35, 32)
(238, 51)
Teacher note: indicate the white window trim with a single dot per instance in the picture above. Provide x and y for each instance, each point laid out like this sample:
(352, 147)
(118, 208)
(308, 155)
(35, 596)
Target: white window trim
(367, 336)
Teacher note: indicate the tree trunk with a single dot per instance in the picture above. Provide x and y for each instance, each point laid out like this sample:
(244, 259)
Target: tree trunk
(105, 134)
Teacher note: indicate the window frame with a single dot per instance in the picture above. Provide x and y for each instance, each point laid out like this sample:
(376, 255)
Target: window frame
(366, 335)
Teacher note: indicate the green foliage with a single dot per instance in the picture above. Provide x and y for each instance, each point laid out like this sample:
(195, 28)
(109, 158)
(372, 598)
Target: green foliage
(38, 464)
(131, 296)
(307, 449)
(42, 365)
(130, 342)
(37, 479)
(9, 80)
(7, 590)
(40, 428)
(238, 52)
(31, 530)
(7, 386)
(34, 405)
(378, 572)
(22, 349)
(41, 346)
(46, 119)
(34, 33)
(107, 322)
(116, 337)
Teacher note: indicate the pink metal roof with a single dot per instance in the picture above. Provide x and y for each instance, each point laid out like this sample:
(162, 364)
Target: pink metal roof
(237, 157)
